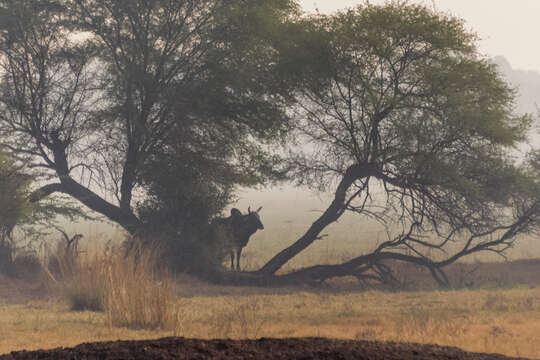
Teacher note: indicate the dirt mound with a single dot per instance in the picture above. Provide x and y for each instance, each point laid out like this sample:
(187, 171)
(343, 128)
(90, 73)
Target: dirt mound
(308, 348)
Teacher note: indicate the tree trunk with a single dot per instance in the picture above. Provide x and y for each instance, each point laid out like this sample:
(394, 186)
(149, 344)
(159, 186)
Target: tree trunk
(128, 178)
(334, 211)
(123, 217)
(315, 275)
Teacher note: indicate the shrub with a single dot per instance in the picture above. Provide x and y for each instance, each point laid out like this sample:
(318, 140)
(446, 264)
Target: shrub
(18, 265)
(25, 266)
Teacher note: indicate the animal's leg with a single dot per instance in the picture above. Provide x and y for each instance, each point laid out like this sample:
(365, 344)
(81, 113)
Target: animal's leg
(238, 253)
(232, 260)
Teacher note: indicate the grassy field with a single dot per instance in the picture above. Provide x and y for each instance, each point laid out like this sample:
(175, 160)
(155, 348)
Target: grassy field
(494, 308)
(501, 321)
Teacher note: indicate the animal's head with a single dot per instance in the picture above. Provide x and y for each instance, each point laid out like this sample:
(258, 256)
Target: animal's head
(253, 219)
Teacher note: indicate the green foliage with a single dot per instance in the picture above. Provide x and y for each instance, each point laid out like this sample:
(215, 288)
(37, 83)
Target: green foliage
(15, 207)
(14, 188)
(182, 200)
(406, 91)
(32, 220)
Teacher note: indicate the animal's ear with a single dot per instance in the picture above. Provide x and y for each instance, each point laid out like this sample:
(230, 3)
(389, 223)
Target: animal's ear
(235, 212)
(259, 209)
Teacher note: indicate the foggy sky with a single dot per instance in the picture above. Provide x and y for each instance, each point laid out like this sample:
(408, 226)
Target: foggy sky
(508, 28)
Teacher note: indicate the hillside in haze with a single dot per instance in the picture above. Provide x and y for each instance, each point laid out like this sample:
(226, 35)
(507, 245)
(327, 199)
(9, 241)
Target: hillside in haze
(527, 82)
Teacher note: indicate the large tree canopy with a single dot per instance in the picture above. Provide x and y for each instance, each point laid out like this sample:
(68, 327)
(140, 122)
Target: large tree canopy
(95, 93)
(414, 127)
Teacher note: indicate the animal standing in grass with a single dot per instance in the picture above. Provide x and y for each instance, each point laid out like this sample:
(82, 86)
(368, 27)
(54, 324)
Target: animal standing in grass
(237, 229)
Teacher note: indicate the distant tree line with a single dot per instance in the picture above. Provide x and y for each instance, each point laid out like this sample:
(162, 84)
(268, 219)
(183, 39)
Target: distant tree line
(152, 113)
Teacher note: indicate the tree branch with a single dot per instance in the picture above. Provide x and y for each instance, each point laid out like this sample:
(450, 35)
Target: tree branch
(334, 211)
(44, 191)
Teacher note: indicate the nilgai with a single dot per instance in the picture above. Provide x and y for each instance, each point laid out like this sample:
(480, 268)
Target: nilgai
(236, 231)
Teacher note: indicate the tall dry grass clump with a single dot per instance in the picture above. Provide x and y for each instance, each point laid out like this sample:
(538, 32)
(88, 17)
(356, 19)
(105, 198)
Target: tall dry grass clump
(85, 286)
(139, 294)
(132, 290)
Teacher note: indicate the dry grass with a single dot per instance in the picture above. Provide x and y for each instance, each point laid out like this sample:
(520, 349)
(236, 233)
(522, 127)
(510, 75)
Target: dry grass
(502, 321)
(38, 325)
(85, 283)
(137, 295)
(139, 303)
(132, 291)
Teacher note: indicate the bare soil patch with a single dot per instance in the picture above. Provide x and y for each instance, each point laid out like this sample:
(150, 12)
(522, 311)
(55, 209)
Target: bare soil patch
(306, 348)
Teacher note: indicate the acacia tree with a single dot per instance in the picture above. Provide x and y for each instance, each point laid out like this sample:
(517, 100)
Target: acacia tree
(94, 91)
(414, 127)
